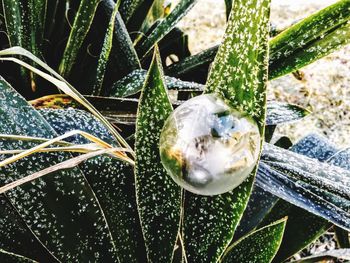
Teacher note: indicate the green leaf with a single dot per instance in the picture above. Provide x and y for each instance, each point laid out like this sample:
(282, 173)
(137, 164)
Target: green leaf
(158, 197)
(123, 57)
(82, 22)
(302, 228)
(15, 235)
(306, 170)
(132, 84)
(312, 38)
(301, 44)
(9, 257)
(210, 222)
(258, 247)
(104, 55)
(56, 200)
(342, 237)
(239, 71)
(139, 15)
(36, 23)
(280, 112)
(128, 8)
(110, 179)
(164, 27)
(228, 5)
(192, 63)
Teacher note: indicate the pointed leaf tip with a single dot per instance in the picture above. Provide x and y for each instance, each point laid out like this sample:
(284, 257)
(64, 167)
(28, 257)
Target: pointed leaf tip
(158, 197)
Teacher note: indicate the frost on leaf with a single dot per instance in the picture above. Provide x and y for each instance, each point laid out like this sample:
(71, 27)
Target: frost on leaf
(158, 197)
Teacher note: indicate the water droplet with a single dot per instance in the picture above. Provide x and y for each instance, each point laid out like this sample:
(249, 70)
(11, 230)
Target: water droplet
(207, 147)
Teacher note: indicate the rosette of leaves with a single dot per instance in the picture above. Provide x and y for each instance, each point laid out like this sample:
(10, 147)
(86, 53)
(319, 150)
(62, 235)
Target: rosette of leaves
(103, 195)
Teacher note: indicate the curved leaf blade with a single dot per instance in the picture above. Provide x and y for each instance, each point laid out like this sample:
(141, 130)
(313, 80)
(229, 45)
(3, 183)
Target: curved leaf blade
(314, 200)
(36, 202)
(82, 22)
(164, 27)
(329, 31)
(104, 55)
(280, 112)
(9, 257)
(210, 222)
(312, 38)
(258, 247)
(158, 197)
(132, 84)
(110, 179)
(15, 235)
(302, 227)
(123, 57)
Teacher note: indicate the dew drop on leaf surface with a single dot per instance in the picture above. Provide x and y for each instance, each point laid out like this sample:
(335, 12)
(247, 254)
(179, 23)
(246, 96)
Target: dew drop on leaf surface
(207, 147)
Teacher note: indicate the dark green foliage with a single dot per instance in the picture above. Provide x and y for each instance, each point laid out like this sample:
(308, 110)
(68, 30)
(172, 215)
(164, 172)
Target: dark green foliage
(106, 210)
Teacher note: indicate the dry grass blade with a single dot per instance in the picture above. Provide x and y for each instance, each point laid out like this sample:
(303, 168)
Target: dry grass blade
(81, 148)
(60, 166)
(39, 148)
(61, 84)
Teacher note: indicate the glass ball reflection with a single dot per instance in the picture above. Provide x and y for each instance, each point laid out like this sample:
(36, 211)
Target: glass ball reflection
(207, 147)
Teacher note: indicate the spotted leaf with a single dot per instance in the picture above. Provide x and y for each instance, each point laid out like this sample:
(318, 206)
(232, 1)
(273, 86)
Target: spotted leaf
(111, 180)
(239, 75)
(60, 208)
(258, 247)
(164, 27)
(158, 197)
(80, 28)
(9, 257)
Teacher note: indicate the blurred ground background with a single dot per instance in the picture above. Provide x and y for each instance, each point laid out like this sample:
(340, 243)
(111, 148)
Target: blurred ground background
(325, 89)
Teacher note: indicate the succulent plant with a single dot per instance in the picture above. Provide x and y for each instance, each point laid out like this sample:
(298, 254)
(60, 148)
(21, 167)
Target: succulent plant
(95, 174)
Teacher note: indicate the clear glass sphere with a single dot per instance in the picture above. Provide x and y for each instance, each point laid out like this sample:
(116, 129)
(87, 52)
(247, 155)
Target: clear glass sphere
(207, 147)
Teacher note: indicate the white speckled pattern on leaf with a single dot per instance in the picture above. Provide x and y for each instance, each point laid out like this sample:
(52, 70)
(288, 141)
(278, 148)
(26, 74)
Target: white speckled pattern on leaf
(239, 75)
(158, 197)
(60, 208)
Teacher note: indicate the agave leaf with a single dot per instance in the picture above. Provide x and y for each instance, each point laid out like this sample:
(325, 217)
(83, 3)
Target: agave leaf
(342, 237)
(210, 222)
(104, 55)
(192, 63)
(60, 83)
(139, 15)
(302, 227)
(310, 171)
(132, 84)
(258, 247)
(15, 235)
(259, 204)
(158, 197)
(82, 22)
(37, 16)
(123, 57)
(164, 27)
(228, 5)
(111, 180)
(129, 7)
(310, 39)
(9, 257)
(313, 199)
(296, 47)
(79, 211)
(280, 112)
(341, 254)
(341, 159)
